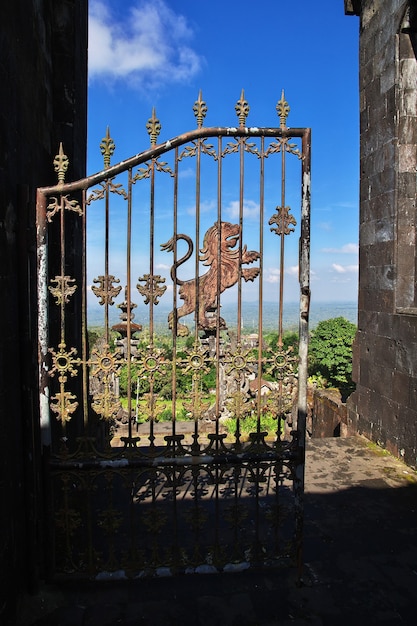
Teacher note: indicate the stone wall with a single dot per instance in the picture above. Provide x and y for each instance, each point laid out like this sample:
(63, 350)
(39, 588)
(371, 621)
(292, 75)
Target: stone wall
(329, 414)
(384, 406)
(43, 60)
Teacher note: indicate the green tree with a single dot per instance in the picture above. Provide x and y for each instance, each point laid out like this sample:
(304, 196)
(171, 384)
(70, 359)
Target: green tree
(330, 353)
(289, 338)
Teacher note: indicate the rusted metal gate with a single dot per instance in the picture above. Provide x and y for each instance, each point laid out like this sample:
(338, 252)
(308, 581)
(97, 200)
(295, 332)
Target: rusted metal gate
(173, 410)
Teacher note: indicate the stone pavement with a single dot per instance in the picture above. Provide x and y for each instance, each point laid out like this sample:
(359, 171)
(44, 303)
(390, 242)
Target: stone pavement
(360, 555)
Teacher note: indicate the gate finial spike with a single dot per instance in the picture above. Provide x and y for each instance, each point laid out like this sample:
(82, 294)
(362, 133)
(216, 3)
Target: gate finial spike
(107, 147)
(200, 110)
(283, 109)
(61, 163)
(242, 109)
(153, 127)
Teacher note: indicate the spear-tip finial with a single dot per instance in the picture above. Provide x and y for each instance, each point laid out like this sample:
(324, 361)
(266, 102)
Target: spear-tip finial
(242, 109)
(283, 110)
(200, 110)
(61, 163)
(107, 147)
(153, 127)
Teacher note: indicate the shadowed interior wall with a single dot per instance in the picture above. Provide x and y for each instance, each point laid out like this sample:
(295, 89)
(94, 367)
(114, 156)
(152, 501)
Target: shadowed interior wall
(43, 61)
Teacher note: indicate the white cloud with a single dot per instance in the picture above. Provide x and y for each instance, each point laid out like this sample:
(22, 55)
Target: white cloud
(272, 275)
(250, 209)
(150, 44)
(348, 248)
(206, 206)
(292, 270)
(345, 269)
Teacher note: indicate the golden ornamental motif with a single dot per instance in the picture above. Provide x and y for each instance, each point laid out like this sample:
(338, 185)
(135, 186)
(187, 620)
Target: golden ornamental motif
(149, 408)
(105, 403)
(153, 288)
(284, 221)
(153, 127)
(103, 188)
(196, 360)
(105, 363)
(200, 110)
(283, 144)
(62, 403)
(152, 363)
(197, 407)
(107, 148)
(232, 147)
(64, 362)
(206, 148)
(242, 109)
(283, 110)
(281, 364)
(280, 401)
(106, 291)
(63, 287)
(61, 163)
(142, 173)
(238, 361)
(238, 405)
(63, 204)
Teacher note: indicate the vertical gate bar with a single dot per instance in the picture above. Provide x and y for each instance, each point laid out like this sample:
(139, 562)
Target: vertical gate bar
(219, 226)
(260, 286)
(129, 300)
(174, 292)
(241, 193)
(197, 236)
(151, 250)
(197, 277)
(282, 246)
(84, 312)
(43, 317)
(303, 341)
(151, 303)
(62, 300)
(106, 259)
(62, 268)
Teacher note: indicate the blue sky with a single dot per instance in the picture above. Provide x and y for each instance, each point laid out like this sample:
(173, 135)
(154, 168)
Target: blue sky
(160, 53)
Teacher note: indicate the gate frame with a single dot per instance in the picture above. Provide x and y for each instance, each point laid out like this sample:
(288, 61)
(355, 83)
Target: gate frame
(62, 188)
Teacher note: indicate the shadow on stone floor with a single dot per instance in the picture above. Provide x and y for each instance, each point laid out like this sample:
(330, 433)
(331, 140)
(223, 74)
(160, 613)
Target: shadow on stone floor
(360, 555)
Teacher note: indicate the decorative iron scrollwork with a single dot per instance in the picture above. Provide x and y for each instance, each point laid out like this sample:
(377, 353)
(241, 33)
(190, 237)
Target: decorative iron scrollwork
(106, 292)
(153, 289)
(64, 203)
(283, 220)
(63, 287)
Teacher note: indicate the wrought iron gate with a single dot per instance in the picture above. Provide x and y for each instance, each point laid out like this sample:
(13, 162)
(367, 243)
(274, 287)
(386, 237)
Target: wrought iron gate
(173, 410)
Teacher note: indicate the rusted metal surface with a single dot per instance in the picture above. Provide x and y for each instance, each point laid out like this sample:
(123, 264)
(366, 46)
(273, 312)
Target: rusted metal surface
(192, 424)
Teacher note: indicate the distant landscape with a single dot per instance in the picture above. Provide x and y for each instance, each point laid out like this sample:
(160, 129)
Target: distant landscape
(318, 311)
